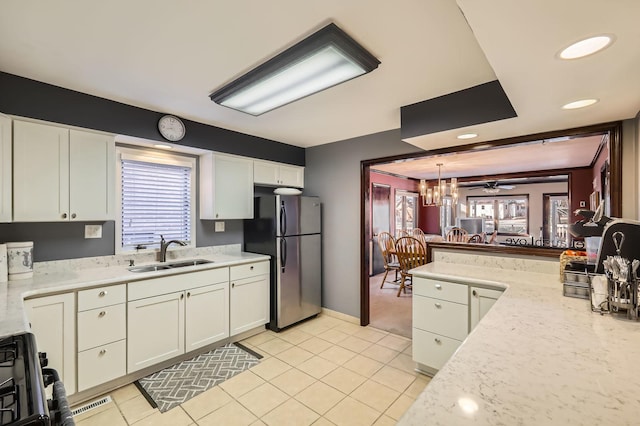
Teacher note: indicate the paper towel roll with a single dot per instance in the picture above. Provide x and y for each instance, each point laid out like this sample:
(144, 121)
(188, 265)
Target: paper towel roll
(4, 265)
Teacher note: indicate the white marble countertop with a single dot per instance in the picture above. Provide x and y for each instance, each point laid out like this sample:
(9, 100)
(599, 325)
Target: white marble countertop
(12, 316)
(536, 358)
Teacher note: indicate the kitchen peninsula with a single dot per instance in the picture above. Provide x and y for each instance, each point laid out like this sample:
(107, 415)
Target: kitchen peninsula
(536, 358)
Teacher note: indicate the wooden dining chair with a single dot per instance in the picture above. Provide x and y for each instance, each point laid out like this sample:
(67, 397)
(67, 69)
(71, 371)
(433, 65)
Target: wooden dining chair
(493, 238)
(418, 234)
(475, 238)
(457, 235)
(411, 254)
(402, 233)
(388, 248)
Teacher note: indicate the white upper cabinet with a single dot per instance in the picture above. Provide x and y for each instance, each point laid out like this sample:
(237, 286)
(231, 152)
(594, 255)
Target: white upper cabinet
(226, 187)
(5, 168)
(276, 174)
(61, 174)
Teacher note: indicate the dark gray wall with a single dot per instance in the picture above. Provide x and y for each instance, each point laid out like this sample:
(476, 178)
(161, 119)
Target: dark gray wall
(54, 241)
(333, 173)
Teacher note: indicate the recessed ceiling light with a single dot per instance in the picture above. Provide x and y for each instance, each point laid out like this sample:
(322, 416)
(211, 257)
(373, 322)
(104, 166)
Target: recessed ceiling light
(468, 136)
(586, 47)
(161, 146)
(579, 104)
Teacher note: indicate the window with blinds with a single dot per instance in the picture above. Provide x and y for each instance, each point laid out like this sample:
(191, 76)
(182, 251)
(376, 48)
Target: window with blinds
(156, 199)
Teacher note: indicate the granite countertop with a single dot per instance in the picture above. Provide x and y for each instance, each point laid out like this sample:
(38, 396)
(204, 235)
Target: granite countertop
(12, 316)
(536, 358)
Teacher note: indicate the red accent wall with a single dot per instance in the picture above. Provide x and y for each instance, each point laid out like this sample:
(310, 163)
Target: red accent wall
(581, 188)
(396, 183)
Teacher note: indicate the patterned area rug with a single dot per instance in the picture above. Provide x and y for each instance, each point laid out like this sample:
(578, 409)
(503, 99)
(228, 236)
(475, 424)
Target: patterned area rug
(174, 385)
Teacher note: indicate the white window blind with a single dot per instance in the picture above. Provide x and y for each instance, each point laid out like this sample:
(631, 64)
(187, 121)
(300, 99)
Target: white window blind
(156, 200)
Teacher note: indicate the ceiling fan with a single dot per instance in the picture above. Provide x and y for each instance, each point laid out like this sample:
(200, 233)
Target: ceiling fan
(493, 187)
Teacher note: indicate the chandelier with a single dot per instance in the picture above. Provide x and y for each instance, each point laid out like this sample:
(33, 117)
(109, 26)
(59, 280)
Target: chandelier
(435, 196)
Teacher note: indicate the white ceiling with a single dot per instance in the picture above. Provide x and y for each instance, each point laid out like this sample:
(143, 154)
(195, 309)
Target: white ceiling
(169, 55)
(532, 156)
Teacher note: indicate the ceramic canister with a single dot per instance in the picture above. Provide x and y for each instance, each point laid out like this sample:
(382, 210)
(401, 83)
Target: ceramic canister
(4, 266)
(20, 256)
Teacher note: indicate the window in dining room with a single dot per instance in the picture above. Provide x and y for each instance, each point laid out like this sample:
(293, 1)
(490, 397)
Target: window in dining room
(509, 215)
(405, 211)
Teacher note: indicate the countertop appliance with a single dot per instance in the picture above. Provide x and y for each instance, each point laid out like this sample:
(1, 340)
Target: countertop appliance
(22, 386)
(287, 227)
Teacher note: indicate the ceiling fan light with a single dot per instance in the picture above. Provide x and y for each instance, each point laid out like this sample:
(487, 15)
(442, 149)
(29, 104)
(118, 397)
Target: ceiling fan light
(586, 47)
(582, 103)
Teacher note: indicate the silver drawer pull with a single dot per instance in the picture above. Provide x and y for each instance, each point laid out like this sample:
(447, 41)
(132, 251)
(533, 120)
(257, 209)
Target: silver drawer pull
(438, 287)
(102, 293)
(438, 341)
(251, 268)
(102, 313)
(438, 305)
(103, 351)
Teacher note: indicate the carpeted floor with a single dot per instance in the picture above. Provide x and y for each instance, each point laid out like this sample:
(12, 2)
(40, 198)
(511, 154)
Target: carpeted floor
(174, 385)
(386, 311)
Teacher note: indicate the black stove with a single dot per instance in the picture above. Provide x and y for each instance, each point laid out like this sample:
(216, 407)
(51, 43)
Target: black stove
(22, 386)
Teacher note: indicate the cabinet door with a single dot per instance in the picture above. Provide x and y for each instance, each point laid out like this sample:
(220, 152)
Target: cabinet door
(292, 176)
(249, 299)
(5, 168)
(155, 330)
(52, 321)
(207, 315)
(91, 176)
(265, 173)
(482, 299)
(226, 187)
(40, 173)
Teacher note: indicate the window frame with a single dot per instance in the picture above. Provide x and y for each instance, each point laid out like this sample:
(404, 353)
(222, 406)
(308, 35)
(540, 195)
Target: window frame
(496, 219)
(416, 209)
(150, 156)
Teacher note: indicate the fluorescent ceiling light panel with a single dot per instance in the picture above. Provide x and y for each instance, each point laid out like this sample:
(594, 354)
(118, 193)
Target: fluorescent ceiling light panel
(468, 136)
(586, 47)
(322, 60)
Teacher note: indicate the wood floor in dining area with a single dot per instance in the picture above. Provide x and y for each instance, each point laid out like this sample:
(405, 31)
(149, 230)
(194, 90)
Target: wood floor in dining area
(387, 311)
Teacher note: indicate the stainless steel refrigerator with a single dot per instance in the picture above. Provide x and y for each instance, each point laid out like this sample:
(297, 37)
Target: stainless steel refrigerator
(287, 227)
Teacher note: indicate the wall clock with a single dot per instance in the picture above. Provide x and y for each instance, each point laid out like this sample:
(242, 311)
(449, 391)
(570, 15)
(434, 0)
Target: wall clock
(171, 128)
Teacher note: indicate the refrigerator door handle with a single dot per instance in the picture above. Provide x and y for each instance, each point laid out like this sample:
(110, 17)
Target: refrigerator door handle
(283, 253)
(283, 221)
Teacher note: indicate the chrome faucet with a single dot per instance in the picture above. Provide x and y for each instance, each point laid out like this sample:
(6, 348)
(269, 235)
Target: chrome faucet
(164, 245)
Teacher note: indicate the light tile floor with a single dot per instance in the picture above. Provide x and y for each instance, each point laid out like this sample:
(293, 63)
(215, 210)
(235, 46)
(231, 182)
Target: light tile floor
(322, 372)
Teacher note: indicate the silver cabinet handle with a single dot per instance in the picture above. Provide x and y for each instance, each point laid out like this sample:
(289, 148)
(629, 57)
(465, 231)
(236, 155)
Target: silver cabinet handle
(102, 293)
(233, 285)
(438, 341)
(438, 287)
(188, 294)
(182, 296)
(103, 351)
(102, 313)
(251, 268)
(73, 215)
(438, 305)
(64, 215)
(475, 293)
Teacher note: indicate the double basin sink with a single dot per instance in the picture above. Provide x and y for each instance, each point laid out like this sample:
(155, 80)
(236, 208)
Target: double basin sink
(171, 265)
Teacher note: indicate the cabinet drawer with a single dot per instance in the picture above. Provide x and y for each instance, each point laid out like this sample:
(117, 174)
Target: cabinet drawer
(442, 290)
(432, 349)
(172, 283)
(441, 317)
(101, 326)
(99, 365)
(101, 296)
(248, 270)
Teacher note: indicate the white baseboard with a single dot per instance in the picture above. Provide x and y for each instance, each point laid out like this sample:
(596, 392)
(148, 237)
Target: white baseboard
(340, 315)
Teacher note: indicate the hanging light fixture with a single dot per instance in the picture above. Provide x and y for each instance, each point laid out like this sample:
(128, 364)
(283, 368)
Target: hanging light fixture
(435, 196)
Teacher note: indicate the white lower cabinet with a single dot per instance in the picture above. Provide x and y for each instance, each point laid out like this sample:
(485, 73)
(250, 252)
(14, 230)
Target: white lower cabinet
(249, 296)
(206, 316)
(481, 300)
(52, 320)
(155, 328)
(102, 334)
(444, 313)
(164, 323)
